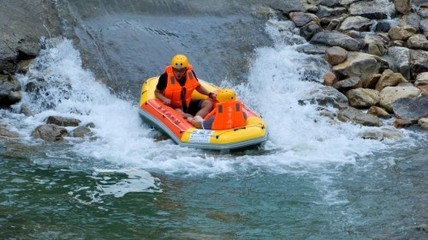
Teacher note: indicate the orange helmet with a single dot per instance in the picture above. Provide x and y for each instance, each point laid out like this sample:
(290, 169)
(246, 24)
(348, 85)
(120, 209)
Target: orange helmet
(179, 61)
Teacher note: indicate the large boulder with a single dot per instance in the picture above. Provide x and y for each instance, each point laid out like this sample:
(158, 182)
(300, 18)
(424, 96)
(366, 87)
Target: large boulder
(411, 109)
(357, 64)
(389, 95)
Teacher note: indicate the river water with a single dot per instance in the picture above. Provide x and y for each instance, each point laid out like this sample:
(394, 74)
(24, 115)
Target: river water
(314, 178)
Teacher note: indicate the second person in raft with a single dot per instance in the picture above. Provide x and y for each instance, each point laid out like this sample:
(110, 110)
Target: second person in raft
(175, 87)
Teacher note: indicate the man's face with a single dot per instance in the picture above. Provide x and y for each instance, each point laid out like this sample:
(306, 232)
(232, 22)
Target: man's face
(179, 73)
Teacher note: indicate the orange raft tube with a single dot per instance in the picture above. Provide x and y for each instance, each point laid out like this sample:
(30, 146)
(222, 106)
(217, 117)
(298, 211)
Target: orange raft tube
(161, 116)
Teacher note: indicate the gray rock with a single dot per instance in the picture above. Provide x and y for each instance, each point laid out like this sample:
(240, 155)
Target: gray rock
(26, 21)
(355, 23)
(417, 41)
(357, 64)
(401, 59)
(350, 114)
(347, 84)
(327, 96)
(81, 131)
(63, 121)
(337, 39)
(370, 9)
(49, 133)
(418, 62)
(411, 109)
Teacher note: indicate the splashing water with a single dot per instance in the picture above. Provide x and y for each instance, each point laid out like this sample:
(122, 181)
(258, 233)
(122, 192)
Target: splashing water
(298, 134)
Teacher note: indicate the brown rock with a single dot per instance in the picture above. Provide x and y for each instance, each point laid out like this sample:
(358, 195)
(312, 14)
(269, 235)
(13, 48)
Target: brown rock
(329, 78)
(401, 123)
(389, 78)
(379, 112)
(335, 55)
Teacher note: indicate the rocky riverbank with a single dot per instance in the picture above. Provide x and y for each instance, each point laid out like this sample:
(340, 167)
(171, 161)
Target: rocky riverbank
(378, 51)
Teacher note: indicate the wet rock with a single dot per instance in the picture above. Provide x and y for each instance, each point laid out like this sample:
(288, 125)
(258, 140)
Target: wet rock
(25, 110)
(350, 114)
(49, 133)
(9, 90)
(327, 96)
(382, 134)
(363, 97)
(411, 109)
(357, 64)
(24, 66)
(389, 95)
(401, 123)
(63, 121)
(5, 133)
(81, 131)
(337, 39)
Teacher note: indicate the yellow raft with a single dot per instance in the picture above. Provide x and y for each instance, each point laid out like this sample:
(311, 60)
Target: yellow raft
(161, 116)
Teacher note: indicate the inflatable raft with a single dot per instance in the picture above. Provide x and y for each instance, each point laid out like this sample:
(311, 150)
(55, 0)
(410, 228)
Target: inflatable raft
(162, 117)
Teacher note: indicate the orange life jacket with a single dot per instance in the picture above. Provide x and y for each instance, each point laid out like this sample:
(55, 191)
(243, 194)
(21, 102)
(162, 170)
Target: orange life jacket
(227, 115)
(180, 95)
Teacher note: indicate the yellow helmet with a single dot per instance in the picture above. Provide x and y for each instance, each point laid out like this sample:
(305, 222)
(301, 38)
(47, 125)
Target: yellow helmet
(179, 61)
(225, 95)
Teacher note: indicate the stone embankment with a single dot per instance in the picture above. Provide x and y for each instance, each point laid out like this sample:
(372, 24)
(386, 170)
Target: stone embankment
(378, 52)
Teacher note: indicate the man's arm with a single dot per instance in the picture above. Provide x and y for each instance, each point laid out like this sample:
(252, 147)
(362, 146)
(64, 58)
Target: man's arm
(160, 87)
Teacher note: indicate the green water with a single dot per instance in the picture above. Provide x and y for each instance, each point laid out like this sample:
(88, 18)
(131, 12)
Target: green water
(369, 199)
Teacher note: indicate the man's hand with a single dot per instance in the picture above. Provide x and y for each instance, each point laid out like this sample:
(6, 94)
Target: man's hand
(166, 101)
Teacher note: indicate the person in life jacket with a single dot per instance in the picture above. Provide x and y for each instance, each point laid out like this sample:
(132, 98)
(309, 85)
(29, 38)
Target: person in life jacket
(227, 114)
(175, 87)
